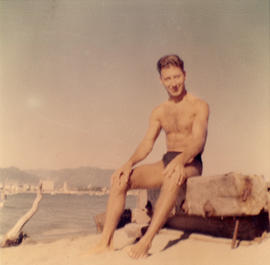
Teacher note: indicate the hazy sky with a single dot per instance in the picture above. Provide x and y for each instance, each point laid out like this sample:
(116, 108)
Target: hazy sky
(78, 79)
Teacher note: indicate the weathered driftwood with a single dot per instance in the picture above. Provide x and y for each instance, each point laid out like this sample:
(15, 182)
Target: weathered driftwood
(226, 195)
(250, 227)
(15, 235)
(230, 194)
(229, 205)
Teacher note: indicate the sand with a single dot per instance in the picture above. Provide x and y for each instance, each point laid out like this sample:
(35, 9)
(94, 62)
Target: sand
(169, 247)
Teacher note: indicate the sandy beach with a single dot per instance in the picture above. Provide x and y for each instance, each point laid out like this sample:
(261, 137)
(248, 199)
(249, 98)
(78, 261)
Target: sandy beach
(169, 247)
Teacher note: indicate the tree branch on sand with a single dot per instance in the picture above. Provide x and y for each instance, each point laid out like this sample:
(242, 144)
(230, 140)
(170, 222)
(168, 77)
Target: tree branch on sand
(15, 235)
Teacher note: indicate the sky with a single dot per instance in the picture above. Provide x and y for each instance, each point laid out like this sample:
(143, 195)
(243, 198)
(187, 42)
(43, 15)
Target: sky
(78, 79)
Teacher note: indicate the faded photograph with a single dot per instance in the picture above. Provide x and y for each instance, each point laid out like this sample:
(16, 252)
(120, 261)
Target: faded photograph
(134, 131)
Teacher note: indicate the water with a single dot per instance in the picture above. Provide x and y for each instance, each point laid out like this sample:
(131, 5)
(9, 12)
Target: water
(58, 215)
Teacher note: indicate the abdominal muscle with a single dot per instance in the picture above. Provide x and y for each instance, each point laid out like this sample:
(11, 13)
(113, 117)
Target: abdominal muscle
(177, 142)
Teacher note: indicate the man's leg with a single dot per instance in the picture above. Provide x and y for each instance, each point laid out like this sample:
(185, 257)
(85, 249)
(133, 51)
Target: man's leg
(115, 207)
(146, 176)
(164, 204)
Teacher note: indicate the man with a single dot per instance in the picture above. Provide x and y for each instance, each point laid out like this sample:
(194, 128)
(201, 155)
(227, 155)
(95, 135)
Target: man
(184, 119)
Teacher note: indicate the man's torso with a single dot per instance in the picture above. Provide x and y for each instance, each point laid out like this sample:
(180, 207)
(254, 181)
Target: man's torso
(177, 119)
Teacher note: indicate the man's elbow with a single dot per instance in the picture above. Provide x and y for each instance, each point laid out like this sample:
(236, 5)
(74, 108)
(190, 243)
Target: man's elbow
(148, 145)
(198, 145)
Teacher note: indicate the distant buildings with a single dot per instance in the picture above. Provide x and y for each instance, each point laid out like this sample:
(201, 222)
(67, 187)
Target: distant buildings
(65, 187)
(11, 188)
(47, 186)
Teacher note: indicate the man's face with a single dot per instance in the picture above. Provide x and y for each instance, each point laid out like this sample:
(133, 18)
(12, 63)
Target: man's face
(173, 79)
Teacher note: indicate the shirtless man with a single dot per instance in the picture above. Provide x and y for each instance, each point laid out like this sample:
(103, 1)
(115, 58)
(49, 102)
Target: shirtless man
(184, 119)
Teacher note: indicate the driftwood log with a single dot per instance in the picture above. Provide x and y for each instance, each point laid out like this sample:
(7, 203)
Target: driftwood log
(15, 235)
(249, 228)
(229, 205)
(226, 195)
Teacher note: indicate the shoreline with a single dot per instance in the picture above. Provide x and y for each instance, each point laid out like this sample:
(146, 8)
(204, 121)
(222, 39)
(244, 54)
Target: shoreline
(95, 193)
(170, 247)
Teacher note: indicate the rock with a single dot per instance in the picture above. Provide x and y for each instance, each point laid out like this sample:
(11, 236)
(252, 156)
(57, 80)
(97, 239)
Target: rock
(226, 195)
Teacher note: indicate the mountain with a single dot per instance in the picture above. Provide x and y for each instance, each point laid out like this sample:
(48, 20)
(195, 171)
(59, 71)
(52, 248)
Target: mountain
(13, 175)
(75, 177)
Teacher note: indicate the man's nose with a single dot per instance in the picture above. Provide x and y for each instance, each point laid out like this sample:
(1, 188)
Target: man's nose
(173, 83)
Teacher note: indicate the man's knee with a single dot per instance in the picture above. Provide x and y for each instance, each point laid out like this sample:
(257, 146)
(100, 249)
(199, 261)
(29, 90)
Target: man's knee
(118, 188)
(121, 185)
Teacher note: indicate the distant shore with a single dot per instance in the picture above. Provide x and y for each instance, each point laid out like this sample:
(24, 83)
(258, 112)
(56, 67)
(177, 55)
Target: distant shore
(95, 193)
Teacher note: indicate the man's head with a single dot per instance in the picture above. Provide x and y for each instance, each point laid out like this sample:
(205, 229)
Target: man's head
(170, 60)
(172, 75)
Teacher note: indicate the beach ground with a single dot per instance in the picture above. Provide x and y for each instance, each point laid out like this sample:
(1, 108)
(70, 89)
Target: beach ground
(170, 247)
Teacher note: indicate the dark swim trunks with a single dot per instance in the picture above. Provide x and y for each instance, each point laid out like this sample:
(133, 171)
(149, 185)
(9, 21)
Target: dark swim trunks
(169, 156)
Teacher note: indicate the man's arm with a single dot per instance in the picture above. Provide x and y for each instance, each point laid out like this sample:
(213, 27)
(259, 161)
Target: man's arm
(195, 144)
(143, 149)
(146, 145)
(199, 135)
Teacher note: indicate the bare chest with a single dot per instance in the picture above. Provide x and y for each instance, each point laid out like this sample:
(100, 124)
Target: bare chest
(178, 119)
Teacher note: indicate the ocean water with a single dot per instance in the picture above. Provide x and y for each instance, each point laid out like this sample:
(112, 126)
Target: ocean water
(58, 215)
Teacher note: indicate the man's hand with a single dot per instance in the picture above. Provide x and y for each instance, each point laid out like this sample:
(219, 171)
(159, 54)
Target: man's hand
(121, 175)
(176, 170)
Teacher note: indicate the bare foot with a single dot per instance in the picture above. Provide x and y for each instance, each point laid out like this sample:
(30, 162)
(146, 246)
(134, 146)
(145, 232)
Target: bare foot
(98, 249)
(139, 250)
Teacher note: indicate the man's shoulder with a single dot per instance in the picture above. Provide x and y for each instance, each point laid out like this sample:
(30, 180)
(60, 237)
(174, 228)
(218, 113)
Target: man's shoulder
(158, 110)
(198, 102)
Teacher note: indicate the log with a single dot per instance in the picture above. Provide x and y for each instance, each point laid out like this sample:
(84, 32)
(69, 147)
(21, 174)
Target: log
(15, 235)
(250, 227)
(231, 194)
(220, 205)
